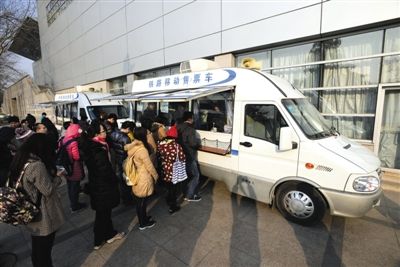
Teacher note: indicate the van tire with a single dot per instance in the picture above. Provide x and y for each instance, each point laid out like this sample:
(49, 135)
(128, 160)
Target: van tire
(300, 203)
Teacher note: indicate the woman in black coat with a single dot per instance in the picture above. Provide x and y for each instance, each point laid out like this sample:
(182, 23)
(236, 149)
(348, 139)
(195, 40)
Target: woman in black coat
(103, 184)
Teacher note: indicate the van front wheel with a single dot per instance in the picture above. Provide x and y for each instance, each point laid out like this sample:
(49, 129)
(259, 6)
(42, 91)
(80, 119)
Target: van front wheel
(300, 203)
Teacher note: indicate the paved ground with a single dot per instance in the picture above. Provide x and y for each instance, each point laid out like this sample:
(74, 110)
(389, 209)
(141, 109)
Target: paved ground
(223, 230)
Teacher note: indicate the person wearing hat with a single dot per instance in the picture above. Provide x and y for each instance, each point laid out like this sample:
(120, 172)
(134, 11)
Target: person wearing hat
(168, 151)
(21, 135)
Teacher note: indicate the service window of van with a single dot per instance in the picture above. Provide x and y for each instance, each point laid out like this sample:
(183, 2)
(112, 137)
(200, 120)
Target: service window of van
(263, 122)
(74, 110)
(171, 112)
(214, 112)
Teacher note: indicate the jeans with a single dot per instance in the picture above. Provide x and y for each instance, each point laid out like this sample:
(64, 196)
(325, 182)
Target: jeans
(194, 176)
(103, 226)
(73, 194)
(141, 210)
(41, 250)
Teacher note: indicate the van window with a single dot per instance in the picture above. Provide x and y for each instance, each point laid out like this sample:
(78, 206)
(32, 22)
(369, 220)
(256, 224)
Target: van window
(119, 110)
(214, 112)
(263, 122)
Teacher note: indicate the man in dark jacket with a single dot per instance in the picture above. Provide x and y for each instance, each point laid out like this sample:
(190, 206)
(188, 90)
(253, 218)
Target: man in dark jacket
(190, 142)
(118, 140)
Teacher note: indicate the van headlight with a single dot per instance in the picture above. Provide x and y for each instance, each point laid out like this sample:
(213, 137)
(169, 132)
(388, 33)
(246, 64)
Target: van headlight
(366, 184)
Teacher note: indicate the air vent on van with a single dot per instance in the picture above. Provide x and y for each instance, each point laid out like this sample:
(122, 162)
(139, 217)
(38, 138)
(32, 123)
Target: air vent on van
(323, 168)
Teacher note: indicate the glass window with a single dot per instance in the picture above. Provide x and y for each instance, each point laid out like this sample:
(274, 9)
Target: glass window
(296, 55)
(353, 127)
(310, 121)
(347, 73)
(392, 40)
(263, 122)
(94, 111)
(214, 112)
(301, 77)
(353, 46)
(74, 110)
(348, 101)
(391, 64)
(258, 60)
(171, 112)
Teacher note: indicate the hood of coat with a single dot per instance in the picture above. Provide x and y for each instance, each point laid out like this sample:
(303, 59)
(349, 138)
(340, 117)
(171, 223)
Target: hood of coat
(133, 147)
(73, 131)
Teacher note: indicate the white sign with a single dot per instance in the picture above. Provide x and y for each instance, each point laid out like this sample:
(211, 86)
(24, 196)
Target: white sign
(220, 77)
(66, 97)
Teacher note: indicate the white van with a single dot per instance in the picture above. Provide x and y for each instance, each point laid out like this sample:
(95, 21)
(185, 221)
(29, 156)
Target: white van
(86, 104)
(266, 141)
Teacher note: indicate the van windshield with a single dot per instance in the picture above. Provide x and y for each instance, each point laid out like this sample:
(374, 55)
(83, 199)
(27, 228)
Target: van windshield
(119, 110)
(311, 122)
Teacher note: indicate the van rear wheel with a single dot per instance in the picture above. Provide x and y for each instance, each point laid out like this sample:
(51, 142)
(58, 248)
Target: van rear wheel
(300, 203)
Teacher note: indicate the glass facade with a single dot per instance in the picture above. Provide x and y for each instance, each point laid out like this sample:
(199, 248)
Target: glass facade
(340, 76)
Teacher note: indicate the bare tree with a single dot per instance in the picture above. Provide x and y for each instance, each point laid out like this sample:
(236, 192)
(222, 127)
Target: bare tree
(12, 15)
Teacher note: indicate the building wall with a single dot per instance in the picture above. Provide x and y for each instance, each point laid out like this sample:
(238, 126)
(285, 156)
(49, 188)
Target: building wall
(22, 98)
(92, 41)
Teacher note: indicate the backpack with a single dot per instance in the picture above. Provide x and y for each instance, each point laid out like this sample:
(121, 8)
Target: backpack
(63, 159)
(129, 171)
(16, 207)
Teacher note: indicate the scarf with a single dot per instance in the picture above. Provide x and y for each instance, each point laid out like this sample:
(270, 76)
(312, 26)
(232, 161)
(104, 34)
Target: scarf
(102, 141)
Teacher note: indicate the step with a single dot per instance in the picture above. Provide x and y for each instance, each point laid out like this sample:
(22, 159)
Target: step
(391, 182)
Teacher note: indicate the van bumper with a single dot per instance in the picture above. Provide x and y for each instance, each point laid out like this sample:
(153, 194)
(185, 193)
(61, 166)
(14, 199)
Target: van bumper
(351, 204)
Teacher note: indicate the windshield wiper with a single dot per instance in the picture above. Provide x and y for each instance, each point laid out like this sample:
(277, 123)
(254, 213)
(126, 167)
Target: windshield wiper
(333, 131)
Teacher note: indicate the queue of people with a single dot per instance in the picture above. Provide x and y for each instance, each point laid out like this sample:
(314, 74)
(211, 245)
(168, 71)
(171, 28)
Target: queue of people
(29, 150)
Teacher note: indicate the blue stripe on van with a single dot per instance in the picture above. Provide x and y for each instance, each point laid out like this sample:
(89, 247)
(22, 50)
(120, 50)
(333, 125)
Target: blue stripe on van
(235, 152)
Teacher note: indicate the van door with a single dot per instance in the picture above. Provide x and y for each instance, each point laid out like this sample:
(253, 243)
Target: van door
(260, 162)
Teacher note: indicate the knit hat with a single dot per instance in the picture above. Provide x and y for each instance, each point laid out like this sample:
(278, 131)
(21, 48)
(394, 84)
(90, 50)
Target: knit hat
(172, 132)
(23, 132)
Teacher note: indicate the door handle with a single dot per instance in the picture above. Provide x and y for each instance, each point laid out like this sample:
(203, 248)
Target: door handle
(246, 144)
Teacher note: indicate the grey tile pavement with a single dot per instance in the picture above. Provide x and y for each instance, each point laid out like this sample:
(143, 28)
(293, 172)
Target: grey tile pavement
(222, 230)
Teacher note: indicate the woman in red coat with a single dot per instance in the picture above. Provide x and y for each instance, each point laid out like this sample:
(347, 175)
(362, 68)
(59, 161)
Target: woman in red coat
(73, 181)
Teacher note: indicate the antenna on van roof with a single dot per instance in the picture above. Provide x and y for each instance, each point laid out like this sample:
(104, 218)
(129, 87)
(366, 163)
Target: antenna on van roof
(198, 65)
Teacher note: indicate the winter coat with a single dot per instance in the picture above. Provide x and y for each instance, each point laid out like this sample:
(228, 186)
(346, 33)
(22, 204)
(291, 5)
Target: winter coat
(73, 152)
(118, 141)
(103, 183)
(37, 179)
(146, 173)
(153, 148)
(189, 140)
(167, 150)
(6, 135)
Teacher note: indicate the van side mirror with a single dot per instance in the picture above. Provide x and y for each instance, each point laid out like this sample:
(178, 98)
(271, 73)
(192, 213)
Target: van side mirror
(285, 139)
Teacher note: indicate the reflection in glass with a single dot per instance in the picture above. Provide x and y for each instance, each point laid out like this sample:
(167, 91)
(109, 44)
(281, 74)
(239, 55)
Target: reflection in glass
(296, 55)
(392, 40)
(348, 101)
(353, 127)
(348, 73)
(389, 144)
(353, 46)
(391, 69)
(258, 60)
(303, 77)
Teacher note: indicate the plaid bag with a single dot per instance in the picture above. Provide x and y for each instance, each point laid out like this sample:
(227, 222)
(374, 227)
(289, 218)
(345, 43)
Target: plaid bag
(178, 169)
(16, 206)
